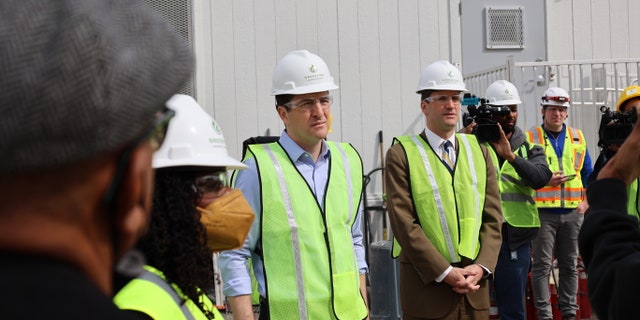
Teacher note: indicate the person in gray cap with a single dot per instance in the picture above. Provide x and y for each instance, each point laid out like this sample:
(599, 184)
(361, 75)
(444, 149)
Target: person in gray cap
(84, 85)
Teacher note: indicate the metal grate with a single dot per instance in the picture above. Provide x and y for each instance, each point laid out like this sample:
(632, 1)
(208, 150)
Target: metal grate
(504, 28)
(178, 14)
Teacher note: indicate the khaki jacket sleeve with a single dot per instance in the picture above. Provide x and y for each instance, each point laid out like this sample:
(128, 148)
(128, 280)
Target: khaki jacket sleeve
(416, 247)
(490, 232)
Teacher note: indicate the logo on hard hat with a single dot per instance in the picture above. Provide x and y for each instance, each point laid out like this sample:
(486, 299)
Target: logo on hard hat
(216, 127)
(313, 69)
(450, 74)
(632, 91)
(218, 132)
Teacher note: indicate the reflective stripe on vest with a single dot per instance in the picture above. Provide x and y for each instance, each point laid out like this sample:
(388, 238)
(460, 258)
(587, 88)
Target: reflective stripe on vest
(315, 247)
(458, 199)
(570, 193)
(518, 203)
(151, 294)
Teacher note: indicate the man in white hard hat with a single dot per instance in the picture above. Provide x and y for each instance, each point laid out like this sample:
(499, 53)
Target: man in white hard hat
(444, 208)
(561, 204)
(522, 168)
(306, 241)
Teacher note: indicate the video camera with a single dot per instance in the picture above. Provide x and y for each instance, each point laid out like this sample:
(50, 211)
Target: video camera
(615, 126)
(483, 114)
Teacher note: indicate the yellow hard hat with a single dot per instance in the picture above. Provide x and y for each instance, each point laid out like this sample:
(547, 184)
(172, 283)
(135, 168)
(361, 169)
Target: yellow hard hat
(629, 92)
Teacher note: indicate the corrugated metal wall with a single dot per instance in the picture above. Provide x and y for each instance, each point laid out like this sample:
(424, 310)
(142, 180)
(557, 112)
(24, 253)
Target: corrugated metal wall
(374, 49)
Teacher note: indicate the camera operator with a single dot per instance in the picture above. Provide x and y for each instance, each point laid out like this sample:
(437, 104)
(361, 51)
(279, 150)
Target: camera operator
(522, 168)
(629, 99)
(609, 239)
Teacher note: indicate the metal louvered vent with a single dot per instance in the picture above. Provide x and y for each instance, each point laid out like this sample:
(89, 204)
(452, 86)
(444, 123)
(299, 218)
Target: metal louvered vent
(504, 28)
(178, 14)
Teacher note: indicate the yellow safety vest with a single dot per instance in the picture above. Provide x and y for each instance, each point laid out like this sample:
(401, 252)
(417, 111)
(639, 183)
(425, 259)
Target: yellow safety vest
(449, 206)
(518, 203)
(633, 203)
(310, 265)
(570, 193)
(150, 293)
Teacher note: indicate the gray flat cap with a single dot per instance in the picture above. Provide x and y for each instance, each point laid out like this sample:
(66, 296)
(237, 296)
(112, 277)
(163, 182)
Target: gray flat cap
(79, 78)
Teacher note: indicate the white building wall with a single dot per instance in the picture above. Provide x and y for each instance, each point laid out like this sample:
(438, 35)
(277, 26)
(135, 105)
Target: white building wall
(600, 29)
(592, 30)
(375, 51)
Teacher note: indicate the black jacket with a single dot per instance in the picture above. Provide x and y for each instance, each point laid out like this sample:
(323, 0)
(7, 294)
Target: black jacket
(610, 247)
(42, 288)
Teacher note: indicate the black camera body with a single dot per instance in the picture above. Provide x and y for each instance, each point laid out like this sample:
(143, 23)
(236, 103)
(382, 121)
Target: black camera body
(483, 115)
(615, 126)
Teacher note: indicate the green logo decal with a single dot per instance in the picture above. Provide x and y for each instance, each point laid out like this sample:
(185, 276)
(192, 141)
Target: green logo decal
(215, 127)
(450, 74)
(313, 69)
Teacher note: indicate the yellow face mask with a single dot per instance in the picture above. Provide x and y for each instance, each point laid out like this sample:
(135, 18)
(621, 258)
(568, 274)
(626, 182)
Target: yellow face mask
(227, 220)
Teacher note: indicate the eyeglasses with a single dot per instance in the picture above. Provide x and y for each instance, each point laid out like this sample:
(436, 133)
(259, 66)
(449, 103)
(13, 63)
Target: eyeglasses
(308, 104)
(158, 133)
(444, 99)
(558, 98)
(212, 182)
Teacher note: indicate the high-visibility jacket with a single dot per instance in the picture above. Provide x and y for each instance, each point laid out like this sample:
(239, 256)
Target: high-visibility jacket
(449, 206)
(518, 203)
(150, 293)
(570, 193)
(310, 266)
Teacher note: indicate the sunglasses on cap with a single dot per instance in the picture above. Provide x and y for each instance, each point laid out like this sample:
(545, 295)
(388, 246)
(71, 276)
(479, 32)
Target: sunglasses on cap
(158, 132)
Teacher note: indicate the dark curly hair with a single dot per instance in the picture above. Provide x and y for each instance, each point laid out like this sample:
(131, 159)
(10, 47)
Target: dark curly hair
(176, 242)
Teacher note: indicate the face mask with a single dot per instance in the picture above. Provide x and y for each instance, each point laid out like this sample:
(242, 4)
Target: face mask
(227, 220)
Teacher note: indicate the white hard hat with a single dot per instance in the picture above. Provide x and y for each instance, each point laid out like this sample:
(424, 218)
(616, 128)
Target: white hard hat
(441, 75)
(301, 72)
(555, 96)
(502, 93)
(193, 139)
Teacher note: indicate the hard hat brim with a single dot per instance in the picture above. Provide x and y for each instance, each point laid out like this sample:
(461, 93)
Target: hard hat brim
(443, 88)
(507, 102)
(306, 89)
(212, 161)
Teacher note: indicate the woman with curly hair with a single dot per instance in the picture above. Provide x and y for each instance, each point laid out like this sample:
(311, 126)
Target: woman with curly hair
(191, 174)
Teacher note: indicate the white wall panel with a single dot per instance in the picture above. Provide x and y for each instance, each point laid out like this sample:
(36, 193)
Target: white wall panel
(265, 55)
(560, 29)
(411, 64)
(246, 113)
(600, 21)
(369, 61)
(630, 28)
(347, 113)
(223, 56)
(391, 103)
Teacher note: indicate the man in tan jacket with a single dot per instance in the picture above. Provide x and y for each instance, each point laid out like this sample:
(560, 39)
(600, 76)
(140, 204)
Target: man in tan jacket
(444, 208)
